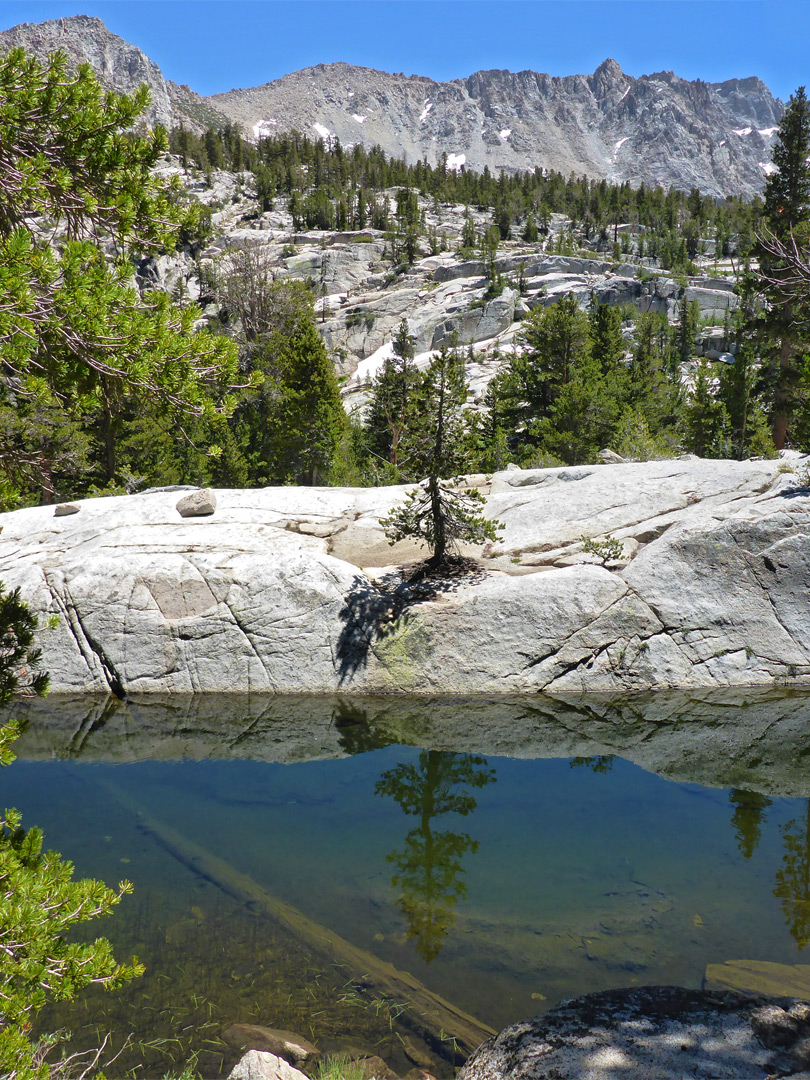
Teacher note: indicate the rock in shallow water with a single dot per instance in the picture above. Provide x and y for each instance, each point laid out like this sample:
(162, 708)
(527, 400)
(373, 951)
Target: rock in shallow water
(663, 1032)
(284, 1044)
(259, 1065)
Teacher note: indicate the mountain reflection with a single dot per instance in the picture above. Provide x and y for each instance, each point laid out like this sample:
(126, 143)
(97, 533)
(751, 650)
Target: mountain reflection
(428, 868)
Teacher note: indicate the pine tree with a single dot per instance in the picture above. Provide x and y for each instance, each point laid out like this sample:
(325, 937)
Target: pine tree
(686, 330)
(556, 342)
(530, 230)
(749, 811)
(649, 389)
(739, 392)
(291, 424)
(429, 874)
(704, 420)
(73, 330)
(391, 407)
(436, 512)
(786, 217)
(787, 188)
(607, 347)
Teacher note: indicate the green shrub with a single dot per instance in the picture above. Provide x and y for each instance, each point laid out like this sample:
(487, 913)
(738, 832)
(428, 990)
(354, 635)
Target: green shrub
(608, 549)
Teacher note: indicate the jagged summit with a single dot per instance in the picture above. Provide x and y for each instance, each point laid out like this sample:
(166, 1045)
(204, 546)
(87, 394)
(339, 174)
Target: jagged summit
(120, 66)
(609, 70)
(658, 128)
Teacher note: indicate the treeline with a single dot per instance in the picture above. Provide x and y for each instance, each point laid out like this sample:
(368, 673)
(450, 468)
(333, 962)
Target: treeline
(106, 390)
(330, 187)
(574, 388)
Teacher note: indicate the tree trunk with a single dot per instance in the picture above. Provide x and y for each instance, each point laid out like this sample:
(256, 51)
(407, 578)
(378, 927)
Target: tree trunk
(109, 444)
(47, 493)
(437, 513)
(436, 510)
(781, 397)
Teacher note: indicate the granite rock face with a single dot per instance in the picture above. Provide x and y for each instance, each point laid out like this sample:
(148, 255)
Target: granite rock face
(120, 66)
(658, 128)
(293, 589)
(664, 1032)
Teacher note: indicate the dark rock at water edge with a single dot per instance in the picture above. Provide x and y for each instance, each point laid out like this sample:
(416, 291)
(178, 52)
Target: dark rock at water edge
(664, 1032)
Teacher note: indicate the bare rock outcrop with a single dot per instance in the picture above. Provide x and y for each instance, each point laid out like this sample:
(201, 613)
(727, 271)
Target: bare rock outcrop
(292, 589)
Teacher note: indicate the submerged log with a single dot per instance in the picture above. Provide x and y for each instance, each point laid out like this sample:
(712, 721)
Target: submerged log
(450, 1032)
(760, 977)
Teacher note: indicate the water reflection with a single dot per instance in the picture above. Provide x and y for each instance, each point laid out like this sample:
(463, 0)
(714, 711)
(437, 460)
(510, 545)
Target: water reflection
(598, 763)
(428, 867)
(793, 880)
(749, 809)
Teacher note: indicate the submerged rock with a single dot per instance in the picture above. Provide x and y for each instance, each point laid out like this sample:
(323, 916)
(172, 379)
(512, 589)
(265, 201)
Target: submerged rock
(664, 1032)
(284, 1044)
(260, 1065)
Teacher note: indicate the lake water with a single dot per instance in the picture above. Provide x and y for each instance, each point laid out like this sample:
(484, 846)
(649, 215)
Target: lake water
(508, 854)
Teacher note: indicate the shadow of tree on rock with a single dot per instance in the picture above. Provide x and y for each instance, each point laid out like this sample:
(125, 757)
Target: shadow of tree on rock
(376, 609)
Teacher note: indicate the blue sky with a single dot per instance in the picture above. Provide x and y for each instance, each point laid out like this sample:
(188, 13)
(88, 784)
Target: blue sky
(215, 46)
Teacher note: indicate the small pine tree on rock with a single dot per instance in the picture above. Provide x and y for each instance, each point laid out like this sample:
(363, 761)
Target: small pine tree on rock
(437, 513)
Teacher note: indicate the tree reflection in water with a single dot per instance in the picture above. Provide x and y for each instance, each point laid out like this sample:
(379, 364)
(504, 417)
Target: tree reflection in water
(749, 807)
(793, 880)
(428, 868)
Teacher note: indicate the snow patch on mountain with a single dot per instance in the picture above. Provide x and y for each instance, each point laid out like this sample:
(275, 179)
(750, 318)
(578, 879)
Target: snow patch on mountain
(359, 119)
(505, 133)
(455, 161)
(324, 132)
(425, 111)
(742, 131)
(262, 129)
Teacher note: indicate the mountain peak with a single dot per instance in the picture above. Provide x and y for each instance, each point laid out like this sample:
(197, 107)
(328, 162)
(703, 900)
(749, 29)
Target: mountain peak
(658, 128)
(610, 69)
(120, 66)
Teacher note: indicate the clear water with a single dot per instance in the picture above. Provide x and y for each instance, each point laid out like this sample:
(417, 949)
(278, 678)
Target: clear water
(503, 884)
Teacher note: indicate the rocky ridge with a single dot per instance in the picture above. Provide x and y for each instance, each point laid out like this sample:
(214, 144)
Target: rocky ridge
(659, 128)
(120, 66)
(294, 589)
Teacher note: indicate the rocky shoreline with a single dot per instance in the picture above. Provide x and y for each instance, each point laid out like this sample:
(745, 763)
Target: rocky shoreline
(668, 1032)
(296, 590)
